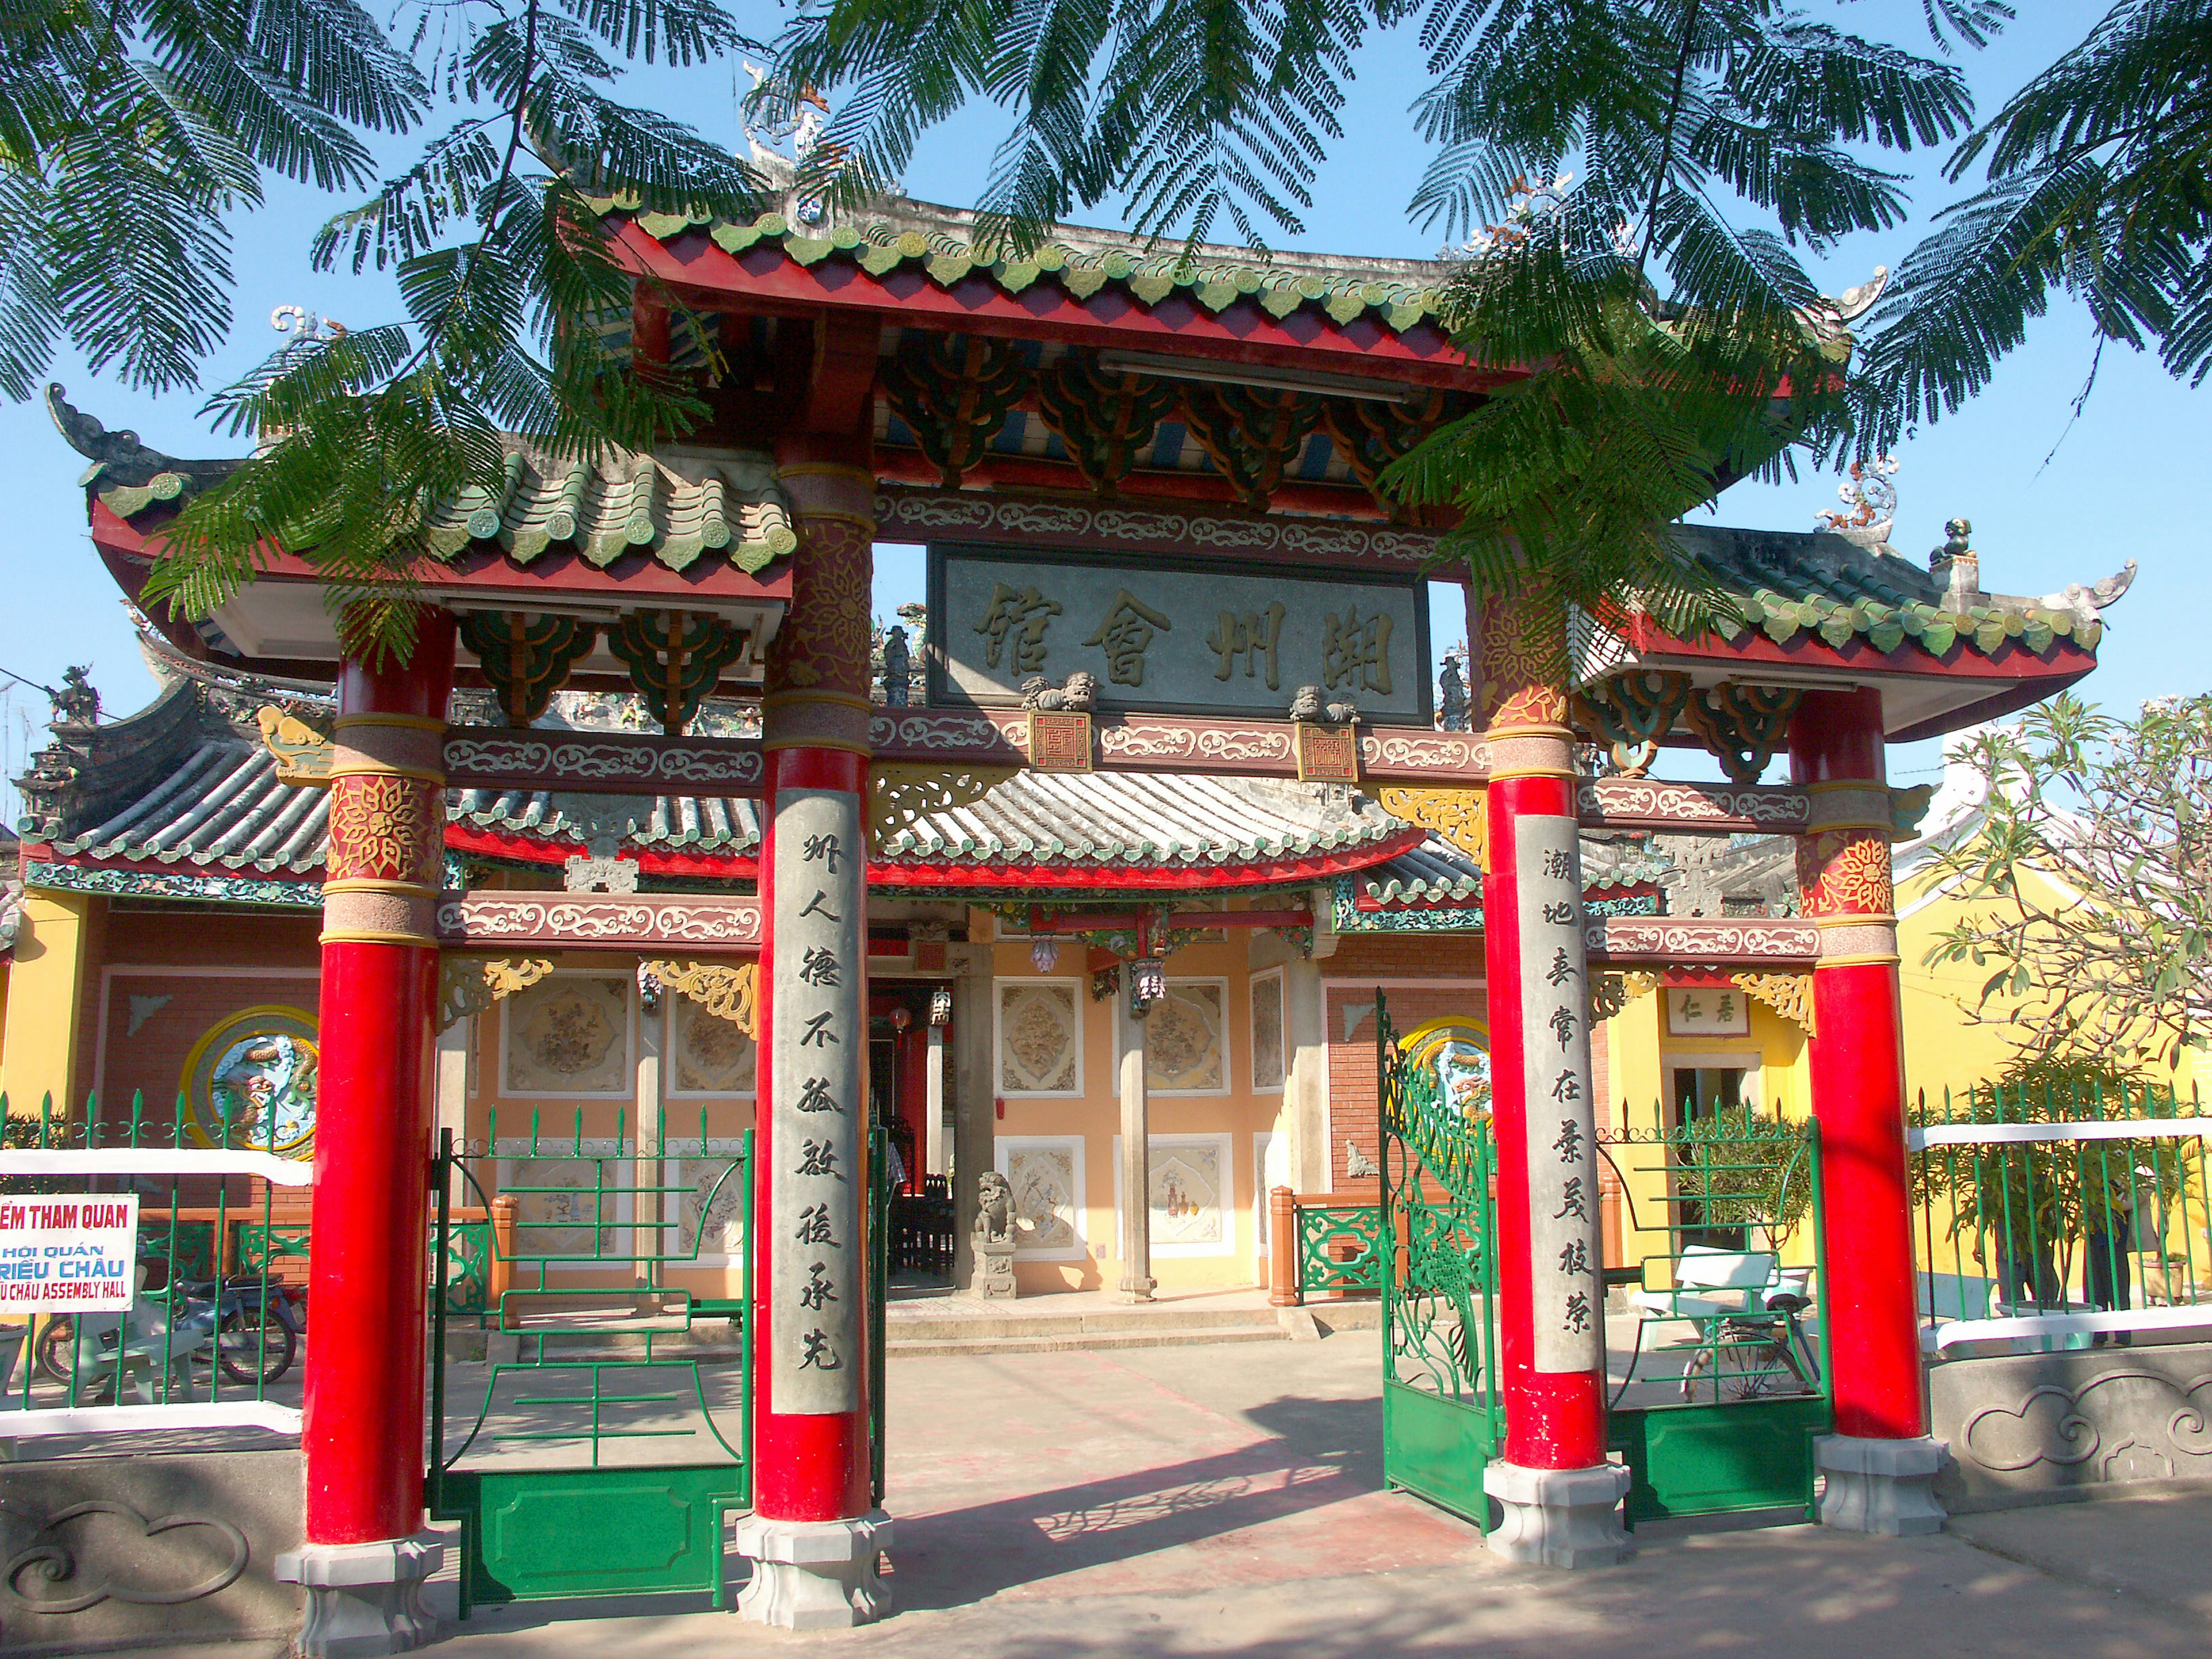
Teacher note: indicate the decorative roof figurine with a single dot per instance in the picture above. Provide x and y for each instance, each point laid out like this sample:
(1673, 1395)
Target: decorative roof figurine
(898, 669)
(76, 703)
(1451, 694)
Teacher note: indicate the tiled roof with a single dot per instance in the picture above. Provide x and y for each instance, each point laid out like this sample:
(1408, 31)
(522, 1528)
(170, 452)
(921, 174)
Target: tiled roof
(222, 807)
(1143, 819)
(1439, 873)
(935, 242)
(677, 504)
(1784, 583)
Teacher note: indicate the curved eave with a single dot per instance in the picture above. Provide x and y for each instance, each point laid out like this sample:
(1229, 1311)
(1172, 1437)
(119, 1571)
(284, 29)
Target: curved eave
(923, 876)
(767, 279)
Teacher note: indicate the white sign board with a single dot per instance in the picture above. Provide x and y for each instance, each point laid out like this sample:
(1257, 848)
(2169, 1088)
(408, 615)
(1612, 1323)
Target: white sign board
(68, 1253)
(1708, 1011)
(1560, 1106)
(1195, 639)
(818, 1048)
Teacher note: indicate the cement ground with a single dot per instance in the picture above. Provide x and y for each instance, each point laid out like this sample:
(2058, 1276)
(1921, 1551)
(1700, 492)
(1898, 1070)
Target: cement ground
(1157, 1503)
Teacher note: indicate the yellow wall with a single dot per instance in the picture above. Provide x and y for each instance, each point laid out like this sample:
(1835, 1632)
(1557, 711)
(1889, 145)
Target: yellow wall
(1096, 1115)
(58, 936)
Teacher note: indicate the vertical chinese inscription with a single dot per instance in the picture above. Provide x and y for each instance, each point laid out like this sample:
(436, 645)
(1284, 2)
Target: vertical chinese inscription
(819, 1037)
(1564, 1242)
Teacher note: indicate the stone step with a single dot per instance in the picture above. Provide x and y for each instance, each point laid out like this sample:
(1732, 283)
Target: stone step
(1086, 1342)
(931, 1327)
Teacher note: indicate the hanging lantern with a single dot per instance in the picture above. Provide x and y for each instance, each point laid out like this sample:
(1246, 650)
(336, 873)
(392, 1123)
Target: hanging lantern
(1148, 981)
(1045, 955)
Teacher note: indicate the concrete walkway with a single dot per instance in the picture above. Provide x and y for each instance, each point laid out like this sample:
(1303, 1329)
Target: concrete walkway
(1162, 1501)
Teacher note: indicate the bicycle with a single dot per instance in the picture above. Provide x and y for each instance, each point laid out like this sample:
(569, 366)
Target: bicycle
(1745, 1356)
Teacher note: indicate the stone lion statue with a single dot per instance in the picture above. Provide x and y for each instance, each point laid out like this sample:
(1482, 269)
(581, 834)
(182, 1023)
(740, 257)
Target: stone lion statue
(1078, 696)
(995, 1209)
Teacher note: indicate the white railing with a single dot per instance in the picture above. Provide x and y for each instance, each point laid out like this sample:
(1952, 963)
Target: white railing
(2164, 1210)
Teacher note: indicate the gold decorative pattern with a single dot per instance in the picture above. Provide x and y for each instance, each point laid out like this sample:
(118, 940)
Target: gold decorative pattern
(1790, 995)
(1845, 873)
(899, 792)
(1326, 754)
(469, 985)
(727, 990)
(1457, 815)
(1524, 664)
(1611, 992)
(822, 644)
(383, 829)
(1059, 741)
(302, 754)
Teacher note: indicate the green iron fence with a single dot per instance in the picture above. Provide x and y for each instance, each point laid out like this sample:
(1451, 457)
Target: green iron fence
(213, 1334)
(607, 1430)
(2060, 1216)
(1728, 1358)
(1340, 1250)
(1442, 1413)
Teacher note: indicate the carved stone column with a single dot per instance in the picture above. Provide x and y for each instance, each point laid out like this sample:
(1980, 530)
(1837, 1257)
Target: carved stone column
(1558, 1493)
(813, 1538)
(1136, 1243)
(1879, 1463)
(974, 1088)
(363, 1564)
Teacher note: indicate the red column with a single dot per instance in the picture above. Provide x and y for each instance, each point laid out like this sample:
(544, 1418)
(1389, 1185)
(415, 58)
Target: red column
(813, 1465)
(367, 1271)
(1554, 1420)
(1857, 1054)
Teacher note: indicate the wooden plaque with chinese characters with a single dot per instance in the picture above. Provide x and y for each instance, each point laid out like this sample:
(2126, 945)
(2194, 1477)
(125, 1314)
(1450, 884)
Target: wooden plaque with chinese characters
(1566, 1248)
(815, 1276)
(1185, 637)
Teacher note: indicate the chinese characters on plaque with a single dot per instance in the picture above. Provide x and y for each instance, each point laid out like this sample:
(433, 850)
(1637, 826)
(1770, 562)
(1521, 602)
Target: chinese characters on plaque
(1708, 1011)
(1194, 639)
(1562, 1117)
(819, 1038)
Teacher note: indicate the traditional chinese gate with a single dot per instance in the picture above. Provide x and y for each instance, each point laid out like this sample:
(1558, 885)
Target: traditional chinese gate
(598, 1446)
(1443, 1416)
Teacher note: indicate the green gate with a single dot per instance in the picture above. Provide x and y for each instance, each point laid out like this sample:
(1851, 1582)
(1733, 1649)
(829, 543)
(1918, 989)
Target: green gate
(1733, 1388)
(604, 1433)
(1443, 1417)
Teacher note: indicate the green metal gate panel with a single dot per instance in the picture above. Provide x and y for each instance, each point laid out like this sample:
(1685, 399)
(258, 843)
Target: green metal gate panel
(1719, 1460)
(1443, 1419)
(528, 1535)
(1751, 1180)
(549, 1468)
(1436, 1447)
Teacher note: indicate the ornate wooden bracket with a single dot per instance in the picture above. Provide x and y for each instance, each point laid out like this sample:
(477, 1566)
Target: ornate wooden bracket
(954, 393)
(469, 985)
(1630, 712)
(1457, 815)
(726, 989)
(1371, 434)
(1252, 435)
(674, 658)
(1790, 995)
(1107, 421)
(525, 657)
(303, 753)
(900, 792)
(1744, 726)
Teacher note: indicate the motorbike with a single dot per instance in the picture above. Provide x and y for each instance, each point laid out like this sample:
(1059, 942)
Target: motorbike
(251, 1324)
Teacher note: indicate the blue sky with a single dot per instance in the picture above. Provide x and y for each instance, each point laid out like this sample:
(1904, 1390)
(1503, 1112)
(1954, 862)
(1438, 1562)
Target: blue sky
(2053, 499)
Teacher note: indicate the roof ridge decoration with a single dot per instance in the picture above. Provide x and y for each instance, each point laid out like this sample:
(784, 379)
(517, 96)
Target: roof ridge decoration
(1399, 293)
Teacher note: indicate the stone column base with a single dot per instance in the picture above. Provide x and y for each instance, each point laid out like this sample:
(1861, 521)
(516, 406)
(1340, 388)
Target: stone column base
(364, 1598)
(815, 1575)
(1885, 1486)
(1559, 1517)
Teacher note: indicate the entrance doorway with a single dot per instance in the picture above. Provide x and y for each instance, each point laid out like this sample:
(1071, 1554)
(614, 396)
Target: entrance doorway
(909, 1079)
(1706, 1093)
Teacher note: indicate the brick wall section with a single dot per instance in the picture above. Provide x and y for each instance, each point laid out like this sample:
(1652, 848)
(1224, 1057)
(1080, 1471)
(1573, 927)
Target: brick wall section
(1456, 965)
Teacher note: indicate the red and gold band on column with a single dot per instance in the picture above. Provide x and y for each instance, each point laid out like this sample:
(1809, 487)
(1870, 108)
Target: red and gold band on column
(1857, 1065)
(363, 1434)
(1552, 1358)
(810, 1406)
